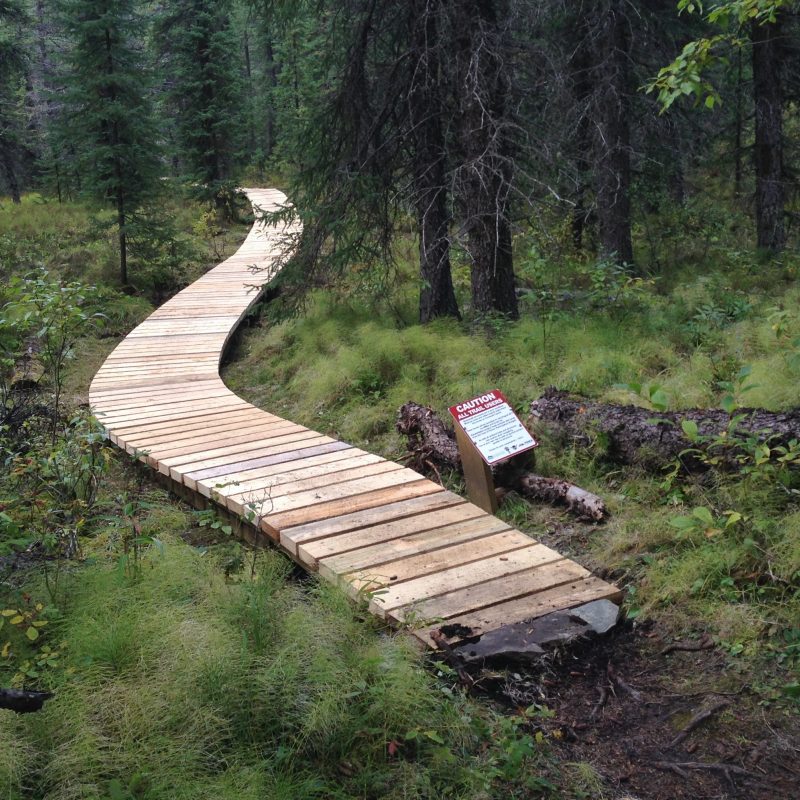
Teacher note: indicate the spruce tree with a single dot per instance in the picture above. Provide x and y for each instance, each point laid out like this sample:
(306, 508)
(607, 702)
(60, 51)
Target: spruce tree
(202, 53)
(106, 114)
(12, 62)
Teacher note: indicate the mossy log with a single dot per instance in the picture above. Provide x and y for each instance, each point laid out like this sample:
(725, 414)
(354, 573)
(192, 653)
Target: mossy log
(432, 446)
(651, 439)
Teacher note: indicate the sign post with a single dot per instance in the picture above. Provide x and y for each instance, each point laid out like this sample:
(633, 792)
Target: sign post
(487, 432)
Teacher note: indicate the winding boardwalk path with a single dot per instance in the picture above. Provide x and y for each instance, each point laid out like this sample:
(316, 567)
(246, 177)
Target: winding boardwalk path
(419, 553)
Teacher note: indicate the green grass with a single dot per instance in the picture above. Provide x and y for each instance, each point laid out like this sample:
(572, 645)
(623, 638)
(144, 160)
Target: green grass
(180, 685)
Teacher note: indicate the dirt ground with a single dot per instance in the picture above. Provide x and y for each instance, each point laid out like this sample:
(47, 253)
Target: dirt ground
(659, 723)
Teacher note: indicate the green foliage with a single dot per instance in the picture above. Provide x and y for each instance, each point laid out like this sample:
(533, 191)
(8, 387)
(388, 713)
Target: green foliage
(687, 74)
(200, 48)
(45, 317)
(107, 118)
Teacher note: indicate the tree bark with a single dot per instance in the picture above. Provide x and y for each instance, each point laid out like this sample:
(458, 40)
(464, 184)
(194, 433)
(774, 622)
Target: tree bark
(437, 296)
(632, 435)
(11, 174)
(612, 132)
(272, 82)
(123, 241)
(768, 152)
(580, 67)
(487, 170)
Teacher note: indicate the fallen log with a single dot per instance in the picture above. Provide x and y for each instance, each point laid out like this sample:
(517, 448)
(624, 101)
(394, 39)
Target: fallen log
(432, 446)
(650, 439)
(23, 702)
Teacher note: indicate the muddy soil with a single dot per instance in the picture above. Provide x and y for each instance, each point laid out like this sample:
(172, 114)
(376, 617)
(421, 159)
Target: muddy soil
(659, 725)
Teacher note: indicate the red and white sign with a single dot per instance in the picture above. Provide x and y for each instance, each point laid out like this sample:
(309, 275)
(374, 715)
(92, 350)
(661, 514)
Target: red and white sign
(493, 427)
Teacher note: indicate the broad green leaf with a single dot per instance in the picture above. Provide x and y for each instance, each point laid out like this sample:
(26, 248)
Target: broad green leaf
(689, 427)
(703, 514)
(659, 400)
(32, 634)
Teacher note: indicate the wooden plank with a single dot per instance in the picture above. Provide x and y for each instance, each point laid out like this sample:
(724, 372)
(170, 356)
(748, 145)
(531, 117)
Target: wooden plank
(526, 608)
(178, 425)
(176, 410)
(274, 496)
(155, 398)
(216, 442)
(415, 590)
(274, 522)
(210, 458)
(234, 460)
(335, 491)
(290, 454)
(224, 423)
(295, 535)
(364, 539)
(472, 599)
(412, 567)
(423, 541)
(321, 466)
(477, 473)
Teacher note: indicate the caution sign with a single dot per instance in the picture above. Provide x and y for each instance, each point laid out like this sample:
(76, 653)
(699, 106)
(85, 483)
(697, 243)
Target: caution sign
(493, 427)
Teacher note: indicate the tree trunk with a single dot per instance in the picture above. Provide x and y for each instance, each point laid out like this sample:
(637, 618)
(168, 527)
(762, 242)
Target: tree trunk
(437, 296)
(251, 133)
(272, 80)
(633, 435)
(487, 170)
(580, 70)
(613, 166)
(11, 174)
(768, 152)
(123, 241)
(738, 127)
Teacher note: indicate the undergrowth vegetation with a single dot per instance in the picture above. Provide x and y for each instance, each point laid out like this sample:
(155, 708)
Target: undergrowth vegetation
(184, 665)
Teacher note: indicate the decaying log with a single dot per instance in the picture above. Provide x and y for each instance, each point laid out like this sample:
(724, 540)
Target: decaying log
(428, 437)
(432, 446)
(583, 504)
(652, 439)
(21, 701)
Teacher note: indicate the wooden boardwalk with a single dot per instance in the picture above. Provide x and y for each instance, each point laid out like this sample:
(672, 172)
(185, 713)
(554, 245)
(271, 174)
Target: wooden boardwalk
(421, 555)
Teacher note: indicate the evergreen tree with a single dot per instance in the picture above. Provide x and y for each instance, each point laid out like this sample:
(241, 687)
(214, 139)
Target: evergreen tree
(106, 114)
(202, 55)
(11, 84)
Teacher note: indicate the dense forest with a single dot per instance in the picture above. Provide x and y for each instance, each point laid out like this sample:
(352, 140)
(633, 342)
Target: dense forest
(468, 122)
(590, 205)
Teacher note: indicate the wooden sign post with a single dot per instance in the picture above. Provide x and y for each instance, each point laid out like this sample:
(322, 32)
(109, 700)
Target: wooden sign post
(487, 432)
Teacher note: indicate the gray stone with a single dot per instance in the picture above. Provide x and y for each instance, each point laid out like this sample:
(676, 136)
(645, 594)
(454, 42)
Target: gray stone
(600, 615)
(528, 641)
